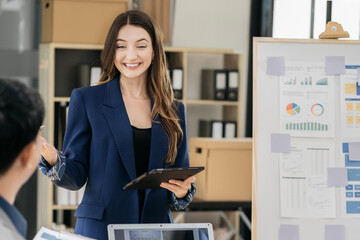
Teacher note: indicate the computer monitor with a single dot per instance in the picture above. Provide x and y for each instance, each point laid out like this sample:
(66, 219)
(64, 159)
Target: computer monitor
(172, 231)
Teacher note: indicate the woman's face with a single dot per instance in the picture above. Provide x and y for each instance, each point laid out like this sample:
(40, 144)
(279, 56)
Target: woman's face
(134, 52)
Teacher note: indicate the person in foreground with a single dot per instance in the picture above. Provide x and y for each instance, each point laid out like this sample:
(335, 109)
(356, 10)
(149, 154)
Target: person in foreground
(128, 124)
(21, 115)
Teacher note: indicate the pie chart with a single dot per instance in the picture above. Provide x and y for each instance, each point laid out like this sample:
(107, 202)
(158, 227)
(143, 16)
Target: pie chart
(292, 109)
(317, 109)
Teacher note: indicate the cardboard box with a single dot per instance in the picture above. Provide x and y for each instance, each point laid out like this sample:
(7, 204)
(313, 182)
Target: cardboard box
(228, 166)
(79, 21)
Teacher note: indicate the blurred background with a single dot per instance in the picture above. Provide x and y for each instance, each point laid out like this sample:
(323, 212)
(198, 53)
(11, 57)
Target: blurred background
(210, 24)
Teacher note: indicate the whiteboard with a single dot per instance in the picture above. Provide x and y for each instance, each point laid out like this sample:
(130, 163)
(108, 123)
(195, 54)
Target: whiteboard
(266, 208)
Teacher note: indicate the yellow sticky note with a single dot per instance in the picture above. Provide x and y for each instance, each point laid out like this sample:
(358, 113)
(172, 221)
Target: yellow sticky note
(357, 120)
(350, 88)
(349, 120)
(357, 107)
(349, 106)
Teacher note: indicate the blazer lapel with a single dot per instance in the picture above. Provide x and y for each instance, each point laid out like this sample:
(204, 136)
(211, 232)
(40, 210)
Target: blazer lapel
(159, 144)
(117, 118)
(158, 150)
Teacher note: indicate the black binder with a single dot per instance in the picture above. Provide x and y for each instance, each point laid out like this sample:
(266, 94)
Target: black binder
(213, 84)
(84, 75)
(61, 111)
(232, 85)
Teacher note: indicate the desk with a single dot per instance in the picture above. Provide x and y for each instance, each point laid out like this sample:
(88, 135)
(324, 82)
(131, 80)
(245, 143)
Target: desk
(221, 207)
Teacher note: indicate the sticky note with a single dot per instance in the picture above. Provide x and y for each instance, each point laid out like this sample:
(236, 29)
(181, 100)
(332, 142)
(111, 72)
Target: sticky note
(354, 151)
(357, 120)
(276, 66)
(350, 88)
(349, 106)
(334, 232)
(288, 232)
(335, 65)
(357, 107)
(280, 143)
(337, 177)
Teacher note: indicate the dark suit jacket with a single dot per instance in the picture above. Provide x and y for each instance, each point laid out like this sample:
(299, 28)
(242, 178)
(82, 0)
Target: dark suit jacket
(98, 148)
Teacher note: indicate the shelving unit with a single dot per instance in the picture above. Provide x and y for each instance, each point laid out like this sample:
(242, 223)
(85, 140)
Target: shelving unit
(58, 76)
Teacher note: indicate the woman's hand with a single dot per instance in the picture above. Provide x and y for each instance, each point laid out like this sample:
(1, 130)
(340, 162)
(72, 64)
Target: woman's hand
(49, 152)
(179, 188)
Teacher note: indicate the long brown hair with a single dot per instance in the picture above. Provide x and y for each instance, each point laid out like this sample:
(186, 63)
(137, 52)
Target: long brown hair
(158, 81)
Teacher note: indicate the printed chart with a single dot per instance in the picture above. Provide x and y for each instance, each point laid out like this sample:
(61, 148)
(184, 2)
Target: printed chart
(303, 181)
(350, 102)
(351, 194)
(307, 101)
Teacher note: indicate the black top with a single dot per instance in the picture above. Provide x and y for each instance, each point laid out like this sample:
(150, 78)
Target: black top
(142, 140)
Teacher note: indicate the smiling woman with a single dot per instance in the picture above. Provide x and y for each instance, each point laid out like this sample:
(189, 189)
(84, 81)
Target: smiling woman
(134, 53)
(126, 125)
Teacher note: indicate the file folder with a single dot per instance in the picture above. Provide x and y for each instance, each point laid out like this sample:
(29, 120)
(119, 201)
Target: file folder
(84, 75)
(177, 82)
(204, 128)
(87, 75)
(61, 110)
(211, 128)
(232, 85)
(229, 129)
(213, 84)
(95, 75)
(217, 129)
(62, 196)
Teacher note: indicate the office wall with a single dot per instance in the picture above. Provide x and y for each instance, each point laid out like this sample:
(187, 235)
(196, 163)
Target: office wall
(213, 24)
(19, 37)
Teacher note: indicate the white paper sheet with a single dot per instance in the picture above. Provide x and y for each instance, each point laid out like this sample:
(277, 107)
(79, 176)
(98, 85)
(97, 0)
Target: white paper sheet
(350, 102)
(307, 101)
(303, 180)
(350, 195)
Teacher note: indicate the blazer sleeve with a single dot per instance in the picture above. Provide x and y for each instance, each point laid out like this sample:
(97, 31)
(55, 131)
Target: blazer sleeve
(71, 170)
(182, 160)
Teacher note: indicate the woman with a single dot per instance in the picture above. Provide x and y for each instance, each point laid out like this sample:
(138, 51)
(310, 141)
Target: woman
(121, 128)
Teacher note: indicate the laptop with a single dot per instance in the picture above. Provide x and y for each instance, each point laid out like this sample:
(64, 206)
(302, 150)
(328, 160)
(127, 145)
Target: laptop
(169, 231)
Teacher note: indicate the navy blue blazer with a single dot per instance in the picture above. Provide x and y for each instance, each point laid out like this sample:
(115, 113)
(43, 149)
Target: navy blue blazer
(98, 149)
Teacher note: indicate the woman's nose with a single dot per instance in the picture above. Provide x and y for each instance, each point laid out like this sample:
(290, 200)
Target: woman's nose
(131, 53)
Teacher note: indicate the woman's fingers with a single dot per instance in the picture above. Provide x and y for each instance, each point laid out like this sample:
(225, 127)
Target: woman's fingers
(49, 152)
(178, 187)
(191, 179)
(179, 192)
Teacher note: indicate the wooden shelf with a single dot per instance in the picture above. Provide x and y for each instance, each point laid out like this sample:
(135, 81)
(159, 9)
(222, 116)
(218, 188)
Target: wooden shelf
(61, 99)
(59, 207)
(75, 46)
(210, 102)
(201, 50)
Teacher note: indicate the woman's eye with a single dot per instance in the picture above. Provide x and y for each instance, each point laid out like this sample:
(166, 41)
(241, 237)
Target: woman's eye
(142, 46)
(120, 46)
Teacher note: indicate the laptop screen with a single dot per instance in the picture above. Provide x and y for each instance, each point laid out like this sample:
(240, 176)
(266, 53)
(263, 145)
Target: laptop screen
(160, 232)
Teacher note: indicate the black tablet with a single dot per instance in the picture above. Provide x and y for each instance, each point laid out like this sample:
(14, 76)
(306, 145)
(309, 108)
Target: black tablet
(155, 177)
